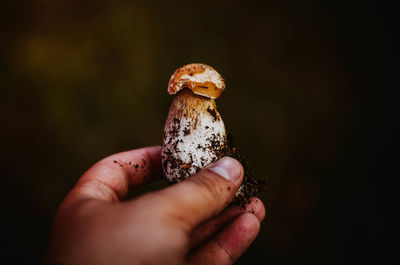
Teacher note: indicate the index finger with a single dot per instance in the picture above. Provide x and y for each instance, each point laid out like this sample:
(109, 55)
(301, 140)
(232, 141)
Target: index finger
(110, 178)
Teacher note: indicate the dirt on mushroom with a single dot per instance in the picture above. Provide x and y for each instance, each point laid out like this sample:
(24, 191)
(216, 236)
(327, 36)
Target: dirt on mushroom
(251, 185)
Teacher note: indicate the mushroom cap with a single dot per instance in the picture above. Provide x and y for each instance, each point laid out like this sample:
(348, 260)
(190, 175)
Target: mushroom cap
(202, 79)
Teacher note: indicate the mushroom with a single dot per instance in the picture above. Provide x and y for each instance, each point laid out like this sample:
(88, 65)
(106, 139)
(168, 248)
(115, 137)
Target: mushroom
(194, 133)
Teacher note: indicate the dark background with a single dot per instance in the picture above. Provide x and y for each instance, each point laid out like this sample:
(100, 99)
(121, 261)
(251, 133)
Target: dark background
(309, 100)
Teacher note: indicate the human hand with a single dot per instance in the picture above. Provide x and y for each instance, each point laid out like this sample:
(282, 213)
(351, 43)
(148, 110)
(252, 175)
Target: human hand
(186, 223)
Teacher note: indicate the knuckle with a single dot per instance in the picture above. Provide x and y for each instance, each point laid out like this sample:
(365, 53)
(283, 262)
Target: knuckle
(209, 183)
(225, 254)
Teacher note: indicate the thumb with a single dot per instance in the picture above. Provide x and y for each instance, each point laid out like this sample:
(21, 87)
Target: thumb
(204, 194)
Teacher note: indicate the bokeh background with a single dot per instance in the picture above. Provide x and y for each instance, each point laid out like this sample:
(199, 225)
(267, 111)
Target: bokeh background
(308, 99)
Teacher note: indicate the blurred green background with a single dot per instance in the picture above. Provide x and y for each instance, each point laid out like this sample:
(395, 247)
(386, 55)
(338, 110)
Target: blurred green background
(307, 99)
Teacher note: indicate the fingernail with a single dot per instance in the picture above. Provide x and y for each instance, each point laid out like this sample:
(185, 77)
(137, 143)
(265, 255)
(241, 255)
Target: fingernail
(227, 168)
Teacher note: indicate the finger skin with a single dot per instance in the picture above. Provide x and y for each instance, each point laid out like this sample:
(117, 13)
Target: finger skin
(110, 178)
(209, 227)
(228, 245)
(199, 197)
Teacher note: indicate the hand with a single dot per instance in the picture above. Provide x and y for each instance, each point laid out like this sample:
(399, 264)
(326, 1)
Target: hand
(181, 224)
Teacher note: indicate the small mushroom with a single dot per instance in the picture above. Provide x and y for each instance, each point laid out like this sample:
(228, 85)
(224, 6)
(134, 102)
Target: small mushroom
(194, 133)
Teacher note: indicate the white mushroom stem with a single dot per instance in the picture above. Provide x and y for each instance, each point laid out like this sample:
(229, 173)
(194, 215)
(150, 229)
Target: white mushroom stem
(194, 135)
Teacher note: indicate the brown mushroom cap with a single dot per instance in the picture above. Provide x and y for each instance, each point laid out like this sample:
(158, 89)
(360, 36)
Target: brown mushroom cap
(200, 78)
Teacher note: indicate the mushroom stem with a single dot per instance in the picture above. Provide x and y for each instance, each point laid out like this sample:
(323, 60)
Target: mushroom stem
(194, 135)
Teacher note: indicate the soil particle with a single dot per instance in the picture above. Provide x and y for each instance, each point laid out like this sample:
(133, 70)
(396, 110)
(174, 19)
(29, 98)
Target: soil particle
(186, 131)
(175, 129)
(213, 113)
(119, 163)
